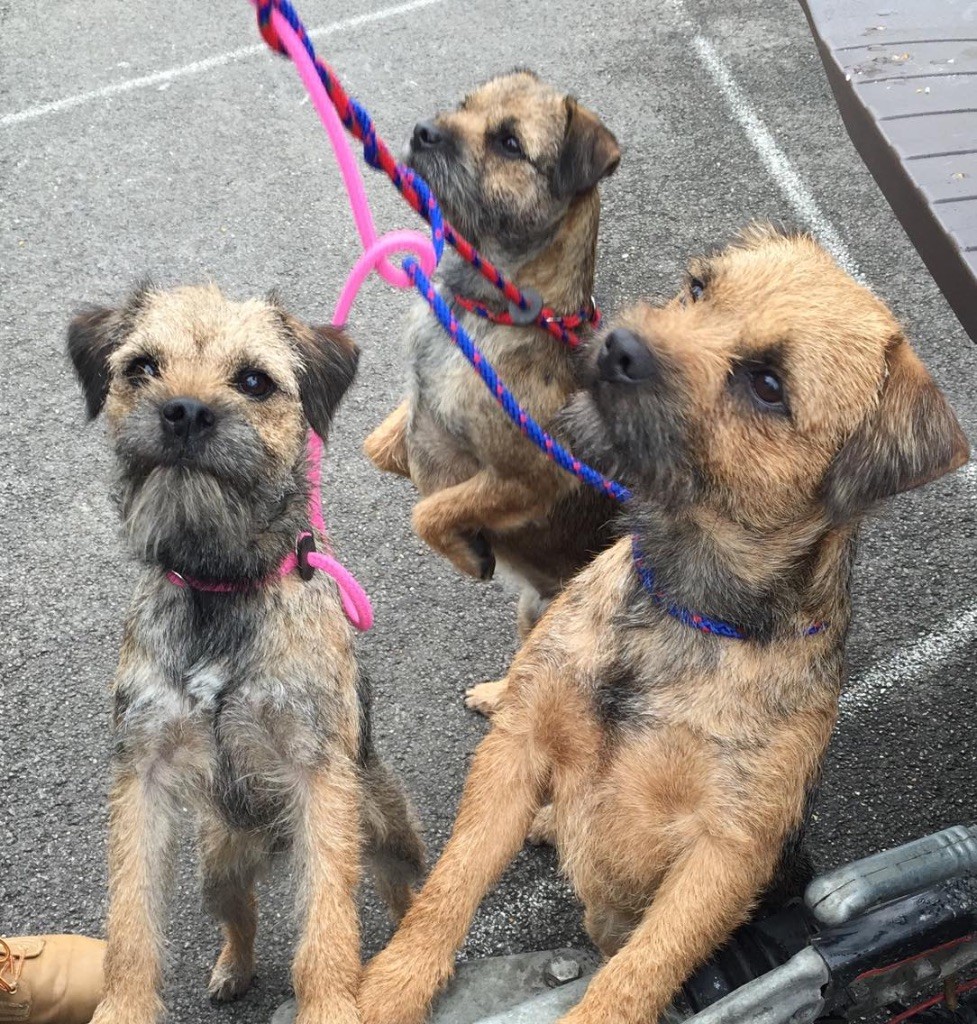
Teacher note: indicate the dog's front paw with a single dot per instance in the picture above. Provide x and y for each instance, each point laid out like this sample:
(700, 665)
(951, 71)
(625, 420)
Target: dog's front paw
(329, 1014)
(230, 978)
(485, 697)
(398, 989)
(136, 1011)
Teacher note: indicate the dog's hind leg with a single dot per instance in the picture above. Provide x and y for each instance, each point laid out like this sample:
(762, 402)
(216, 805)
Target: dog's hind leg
(486, 697)
(141, 841)
(393, 844)
(532, 607)
(231, 861)
(543, 831)
(326, 971)
(706, 893)
(502, 793)
(386, 446)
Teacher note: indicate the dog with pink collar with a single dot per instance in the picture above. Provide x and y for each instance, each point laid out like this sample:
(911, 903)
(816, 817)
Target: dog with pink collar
(237, 691)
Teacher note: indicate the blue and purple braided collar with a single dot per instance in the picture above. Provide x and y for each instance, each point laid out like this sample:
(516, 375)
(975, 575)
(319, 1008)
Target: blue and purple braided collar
(703, 623)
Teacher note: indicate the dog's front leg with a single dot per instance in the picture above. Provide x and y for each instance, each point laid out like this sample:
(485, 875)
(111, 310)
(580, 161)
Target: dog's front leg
(705, 895)
(451, 521)
(326, 971)
(501, 796)
(386, 447)
(141, 831)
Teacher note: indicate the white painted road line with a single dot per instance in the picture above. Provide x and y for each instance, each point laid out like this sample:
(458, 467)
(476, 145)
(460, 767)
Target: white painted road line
(776, 161)
(924, 657)
(778, 165)
(218, 61)
(919, 660)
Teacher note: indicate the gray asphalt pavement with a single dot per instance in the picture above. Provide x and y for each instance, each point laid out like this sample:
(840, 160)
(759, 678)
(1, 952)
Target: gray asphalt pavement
(222, 172)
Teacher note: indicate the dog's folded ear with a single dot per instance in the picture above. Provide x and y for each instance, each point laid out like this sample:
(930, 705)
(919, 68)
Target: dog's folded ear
(93, 335)
(910, 438)
(328, 366)
(590, 152)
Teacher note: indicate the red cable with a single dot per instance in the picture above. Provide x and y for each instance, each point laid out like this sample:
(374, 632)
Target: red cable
(967, 986)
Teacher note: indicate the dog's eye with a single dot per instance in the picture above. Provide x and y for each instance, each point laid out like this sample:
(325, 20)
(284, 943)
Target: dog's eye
(696, 288)
(255, 384)
(511, 146)
(140, 369)
(768, 388)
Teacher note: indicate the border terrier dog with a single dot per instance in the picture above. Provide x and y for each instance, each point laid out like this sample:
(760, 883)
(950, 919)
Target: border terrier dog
(240, 699)
(515, 168)
(671, 709)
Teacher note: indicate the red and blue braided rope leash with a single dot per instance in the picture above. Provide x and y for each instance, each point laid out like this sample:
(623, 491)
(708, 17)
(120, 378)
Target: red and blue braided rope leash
(419, 196)
(377, 154)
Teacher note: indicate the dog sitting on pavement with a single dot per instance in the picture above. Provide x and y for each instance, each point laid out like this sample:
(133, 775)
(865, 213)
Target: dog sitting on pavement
(515, 168)
(238, 696)
(668, 716)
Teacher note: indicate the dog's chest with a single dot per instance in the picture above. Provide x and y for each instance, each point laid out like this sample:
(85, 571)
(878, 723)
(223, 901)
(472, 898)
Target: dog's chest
(235, 712)
(441, 379)
(205, 683)
(446, 387)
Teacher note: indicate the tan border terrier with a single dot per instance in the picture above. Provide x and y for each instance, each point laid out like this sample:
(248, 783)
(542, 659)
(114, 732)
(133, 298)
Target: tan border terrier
(246, 706)
(515, 168)
(756, 416)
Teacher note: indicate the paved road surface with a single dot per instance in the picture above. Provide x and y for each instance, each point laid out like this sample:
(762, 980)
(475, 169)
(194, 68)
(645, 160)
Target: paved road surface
(159, 138)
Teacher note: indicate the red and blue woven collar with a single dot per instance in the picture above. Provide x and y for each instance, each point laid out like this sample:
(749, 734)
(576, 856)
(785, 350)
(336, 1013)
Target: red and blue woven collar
(566, 325)
(703, 623)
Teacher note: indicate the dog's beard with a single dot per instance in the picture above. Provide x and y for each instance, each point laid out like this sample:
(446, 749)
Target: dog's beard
(633, 439)
(197, 525)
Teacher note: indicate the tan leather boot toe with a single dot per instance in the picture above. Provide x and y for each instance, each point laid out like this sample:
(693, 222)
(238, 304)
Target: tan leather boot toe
(50, 979)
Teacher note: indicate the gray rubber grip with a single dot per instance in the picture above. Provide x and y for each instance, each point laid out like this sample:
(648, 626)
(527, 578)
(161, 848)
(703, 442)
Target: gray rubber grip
(790, 994)
(544, 1009)
(850, 890)
(551, 1006)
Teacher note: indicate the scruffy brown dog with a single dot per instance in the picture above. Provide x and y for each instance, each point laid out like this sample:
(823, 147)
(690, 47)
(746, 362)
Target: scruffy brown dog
(245, 705)
(515, 168)
(756, 416)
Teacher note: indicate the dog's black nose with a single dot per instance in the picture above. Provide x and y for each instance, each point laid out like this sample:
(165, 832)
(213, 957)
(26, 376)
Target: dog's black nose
(186, 417)
(427, 135)
(625, 359)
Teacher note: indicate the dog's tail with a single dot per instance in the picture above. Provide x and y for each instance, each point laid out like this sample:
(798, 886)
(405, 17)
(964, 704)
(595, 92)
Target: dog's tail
(393, 843)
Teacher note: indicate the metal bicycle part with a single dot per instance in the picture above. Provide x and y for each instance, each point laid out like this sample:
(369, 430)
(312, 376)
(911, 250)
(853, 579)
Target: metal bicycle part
(899, 953)
(852, 889)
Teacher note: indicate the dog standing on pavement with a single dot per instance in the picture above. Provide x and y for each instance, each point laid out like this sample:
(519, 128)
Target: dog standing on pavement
(240, 696)
(516, 168)
(670, 712)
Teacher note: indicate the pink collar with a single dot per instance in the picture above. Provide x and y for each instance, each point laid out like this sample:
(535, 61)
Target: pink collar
(304, 558)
